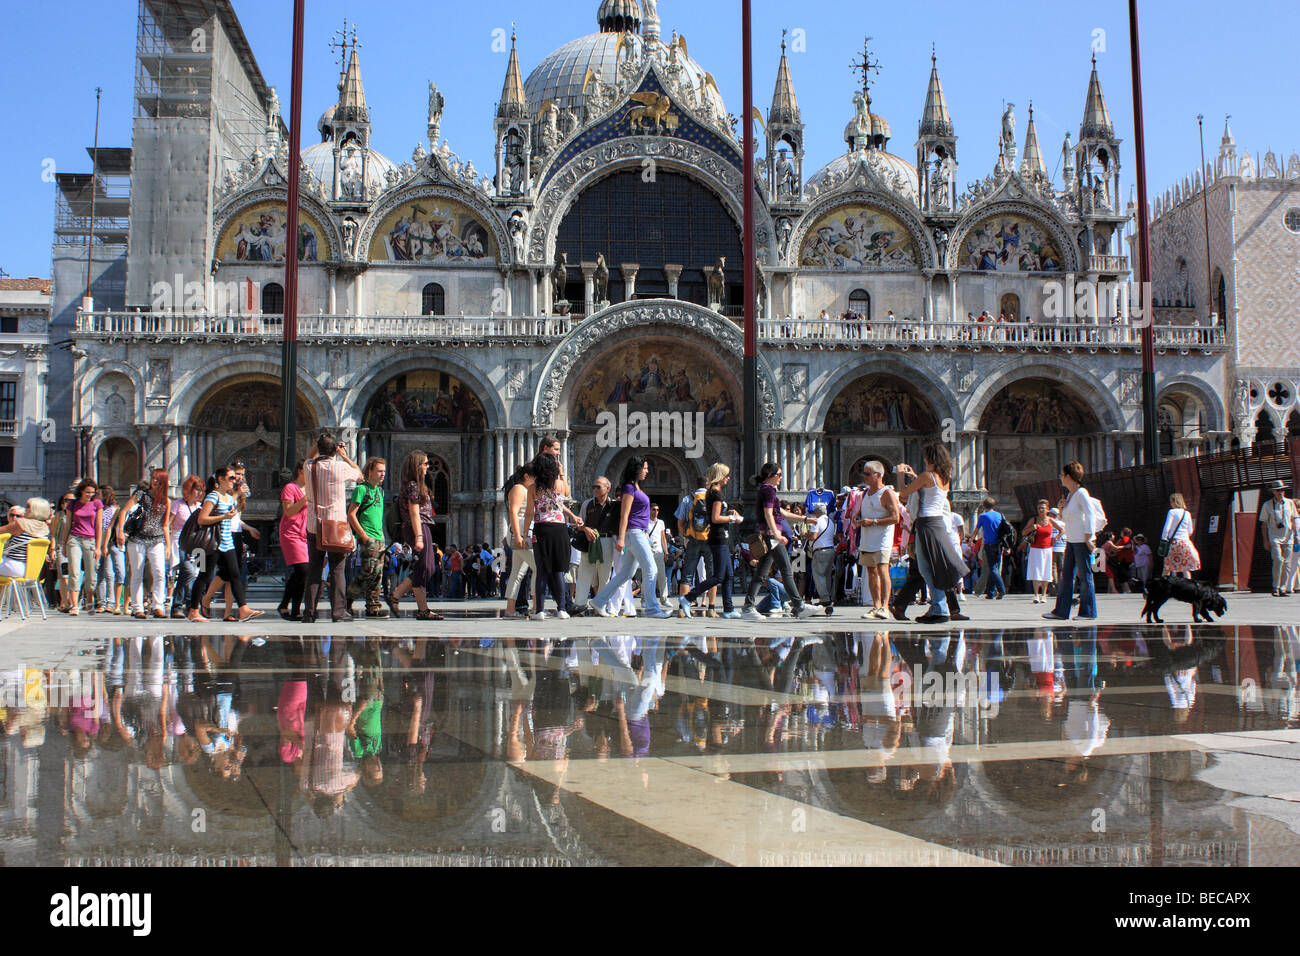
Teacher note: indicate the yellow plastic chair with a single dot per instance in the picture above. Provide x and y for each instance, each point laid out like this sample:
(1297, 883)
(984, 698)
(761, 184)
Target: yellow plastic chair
(37, 549)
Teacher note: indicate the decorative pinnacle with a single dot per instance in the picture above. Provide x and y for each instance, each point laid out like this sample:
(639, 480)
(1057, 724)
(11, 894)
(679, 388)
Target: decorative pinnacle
(783, 32)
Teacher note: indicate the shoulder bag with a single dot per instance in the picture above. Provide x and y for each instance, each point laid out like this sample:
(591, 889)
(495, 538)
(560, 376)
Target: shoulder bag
(1162, 549)
(197, 537)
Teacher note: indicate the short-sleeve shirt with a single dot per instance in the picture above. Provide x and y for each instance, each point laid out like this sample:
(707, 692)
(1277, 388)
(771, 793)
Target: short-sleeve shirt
(85, 517)
(226, 541)
(719, 533)
(369, 500)
(329, 501)
(683, 512)
(767, 501)
(411, 496)
(638, 518)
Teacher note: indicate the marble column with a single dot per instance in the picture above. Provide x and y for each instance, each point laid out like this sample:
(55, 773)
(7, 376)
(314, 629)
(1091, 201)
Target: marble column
(588, 288)
(629, 270)
(333, 275)
(499, 457)
(674, 274)
(952, 297)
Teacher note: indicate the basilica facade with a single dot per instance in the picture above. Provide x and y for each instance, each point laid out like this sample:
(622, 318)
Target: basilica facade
(595, 263)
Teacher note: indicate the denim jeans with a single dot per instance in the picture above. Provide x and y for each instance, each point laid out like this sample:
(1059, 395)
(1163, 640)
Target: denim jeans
(112, 572)
(187, 572)
(938, 603)
(720, 579)
(993, 555)
(774, 598)
(1077, 564)
(637, 542)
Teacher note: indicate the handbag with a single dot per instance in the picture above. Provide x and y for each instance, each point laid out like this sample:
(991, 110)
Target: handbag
(332, 536)
(757, 544)
(197, 537)
(595, 552)
(1162, 549)
(134, 522)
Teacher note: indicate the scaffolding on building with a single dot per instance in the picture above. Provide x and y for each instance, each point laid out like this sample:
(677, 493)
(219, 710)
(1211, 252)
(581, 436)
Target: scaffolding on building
(110, 181)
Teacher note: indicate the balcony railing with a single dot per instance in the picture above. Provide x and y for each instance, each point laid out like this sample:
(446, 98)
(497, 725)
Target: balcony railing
(1022, 336)
(183, 326)
(808, 333)
(8, 427)
(1108, 263)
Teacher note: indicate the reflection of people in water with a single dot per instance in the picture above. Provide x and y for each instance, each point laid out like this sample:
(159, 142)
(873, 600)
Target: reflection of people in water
(322, 773)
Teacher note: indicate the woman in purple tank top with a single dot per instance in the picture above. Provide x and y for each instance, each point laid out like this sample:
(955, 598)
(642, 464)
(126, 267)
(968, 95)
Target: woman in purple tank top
(633, 524)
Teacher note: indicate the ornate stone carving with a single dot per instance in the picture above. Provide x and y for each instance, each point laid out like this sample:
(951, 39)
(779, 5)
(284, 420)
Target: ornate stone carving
(518, 373)
(1130, 386)
(597, 330)
(794, 382)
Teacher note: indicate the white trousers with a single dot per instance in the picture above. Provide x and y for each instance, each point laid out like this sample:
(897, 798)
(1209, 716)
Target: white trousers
(136, 554)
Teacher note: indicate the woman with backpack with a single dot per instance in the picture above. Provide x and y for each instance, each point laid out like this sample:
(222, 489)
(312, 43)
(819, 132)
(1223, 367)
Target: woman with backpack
(721, 520)
(145, 531)
(1079, 520)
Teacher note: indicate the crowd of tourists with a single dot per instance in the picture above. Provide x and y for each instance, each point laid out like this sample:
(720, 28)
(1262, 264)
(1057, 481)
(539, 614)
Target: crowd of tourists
(887, 542)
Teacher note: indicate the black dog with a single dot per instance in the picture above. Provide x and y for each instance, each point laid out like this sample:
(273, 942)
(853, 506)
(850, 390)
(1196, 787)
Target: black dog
(1203, 599)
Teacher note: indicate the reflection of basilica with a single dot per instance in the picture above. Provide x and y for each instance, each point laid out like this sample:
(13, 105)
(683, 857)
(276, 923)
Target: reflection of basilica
(436, 314)
(186, 750)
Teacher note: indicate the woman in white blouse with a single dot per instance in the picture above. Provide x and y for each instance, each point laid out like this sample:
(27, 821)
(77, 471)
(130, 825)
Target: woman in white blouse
(1183, 557)
(1079, 522)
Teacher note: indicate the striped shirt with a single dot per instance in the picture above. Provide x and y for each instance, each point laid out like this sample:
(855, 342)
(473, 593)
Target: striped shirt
(330, 502)
(222, 504)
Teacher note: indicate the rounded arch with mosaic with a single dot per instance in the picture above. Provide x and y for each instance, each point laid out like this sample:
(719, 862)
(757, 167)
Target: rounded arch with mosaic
(1013, 237)
(254, 228)
(860, 233)
(437, 225)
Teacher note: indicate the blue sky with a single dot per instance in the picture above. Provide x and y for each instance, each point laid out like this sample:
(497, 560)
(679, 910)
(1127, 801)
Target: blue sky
(1195, 59)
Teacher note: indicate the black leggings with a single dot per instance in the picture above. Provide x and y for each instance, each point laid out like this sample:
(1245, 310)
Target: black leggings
(552, 556)
(228, 570)
(291, 600)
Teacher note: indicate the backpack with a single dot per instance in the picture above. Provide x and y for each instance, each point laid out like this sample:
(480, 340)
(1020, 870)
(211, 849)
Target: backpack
(698, 521)
(1006, 536)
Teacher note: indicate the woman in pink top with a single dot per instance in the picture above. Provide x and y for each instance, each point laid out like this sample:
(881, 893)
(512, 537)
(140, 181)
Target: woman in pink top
(293, 544)
(83, 542)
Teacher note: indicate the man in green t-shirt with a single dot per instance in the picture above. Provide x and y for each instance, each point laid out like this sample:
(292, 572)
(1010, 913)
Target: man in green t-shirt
(366, 515)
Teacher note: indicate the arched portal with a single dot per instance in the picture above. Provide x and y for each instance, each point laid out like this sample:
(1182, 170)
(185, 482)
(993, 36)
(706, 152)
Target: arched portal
(433, 411)
(880, 417)
(239, 418)
(118, 465)
(1032, 426)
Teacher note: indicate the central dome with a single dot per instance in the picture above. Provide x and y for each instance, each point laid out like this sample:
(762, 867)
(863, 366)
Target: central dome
(561, 75)
(897, 172)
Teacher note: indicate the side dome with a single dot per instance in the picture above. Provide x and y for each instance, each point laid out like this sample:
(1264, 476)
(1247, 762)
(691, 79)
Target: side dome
(898, 173)
(320, 160)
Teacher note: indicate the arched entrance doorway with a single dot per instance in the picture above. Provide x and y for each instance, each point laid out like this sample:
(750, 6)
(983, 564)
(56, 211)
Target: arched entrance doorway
(433, 411)
(677, 401)
(239, 419)
(1033, 425)
(878, 417)
(117, 464)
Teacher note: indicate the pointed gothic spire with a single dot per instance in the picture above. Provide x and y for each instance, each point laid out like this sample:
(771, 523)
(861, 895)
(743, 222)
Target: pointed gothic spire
(352, 93)
(1096, 118)
(935, 120)
(1033, 159)
(513, 102)
(1227, 134)
(785, 108)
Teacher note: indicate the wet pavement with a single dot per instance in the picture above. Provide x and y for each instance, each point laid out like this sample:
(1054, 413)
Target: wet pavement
(1113, 744)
